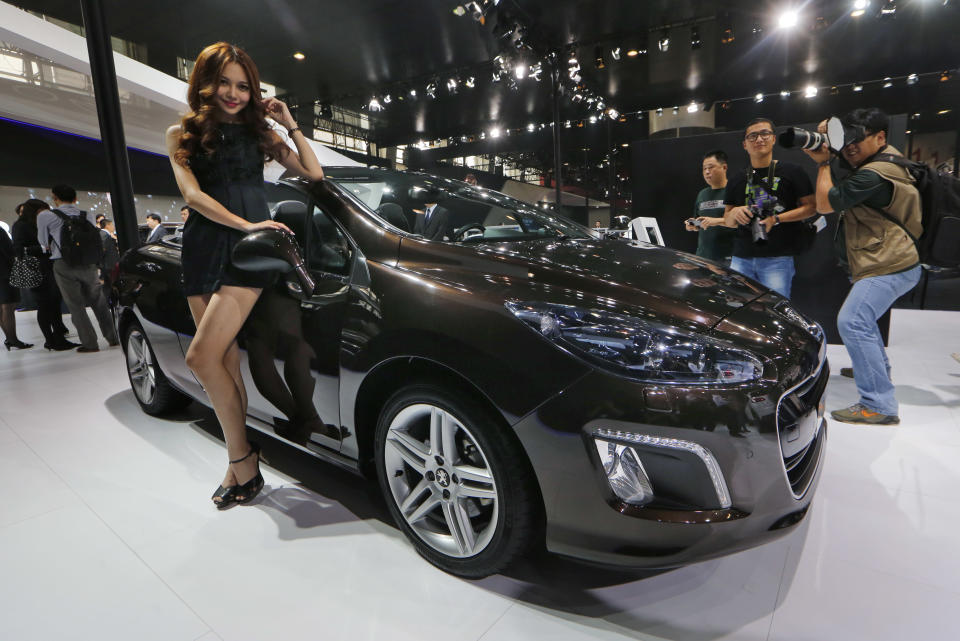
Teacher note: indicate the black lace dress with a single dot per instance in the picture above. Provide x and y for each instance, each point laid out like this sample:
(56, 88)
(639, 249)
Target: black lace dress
(233, 176)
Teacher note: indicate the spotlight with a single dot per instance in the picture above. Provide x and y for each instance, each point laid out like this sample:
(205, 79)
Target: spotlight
(495, 132)
(375, 105)
(639, 115)
(810, 92)
(757, 29)
(520, 71)
(887, 82)
(888, 9)
(758, 97)
(659, 111)
(726, 36)
(432, 90)
(784, 94)
(676, 110)
(615, 52)
(593, 120)
(452, 84)
(944, 76)
(535, 71)
(577, 97)
(664, 42)
(858, 88)
(299, 56)
(693, 108)
(387, 99)
(834, 90)
(531, 127)
(633, 53)
(495, 76)
(788, 19)
(612, 113)
(694, 37)
(460, 10)
(566, 125)
(859, 8)
(470, 82)
(413, 93)
(913, 79)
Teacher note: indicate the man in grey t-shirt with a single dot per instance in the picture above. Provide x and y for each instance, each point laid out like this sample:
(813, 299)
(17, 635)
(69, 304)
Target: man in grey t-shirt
(79, 284)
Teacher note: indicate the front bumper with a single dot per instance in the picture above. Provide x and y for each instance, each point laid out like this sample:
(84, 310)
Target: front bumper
(740, 427)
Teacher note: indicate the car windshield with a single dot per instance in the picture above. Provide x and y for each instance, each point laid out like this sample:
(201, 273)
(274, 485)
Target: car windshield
(465, 213)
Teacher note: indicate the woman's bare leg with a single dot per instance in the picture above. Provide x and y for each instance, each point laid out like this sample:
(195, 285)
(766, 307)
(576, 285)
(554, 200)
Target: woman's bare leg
(214, 358)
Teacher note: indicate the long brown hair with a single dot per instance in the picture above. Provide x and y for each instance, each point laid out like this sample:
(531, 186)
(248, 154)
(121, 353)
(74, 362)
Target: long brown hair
(30, 209)
(198, 128)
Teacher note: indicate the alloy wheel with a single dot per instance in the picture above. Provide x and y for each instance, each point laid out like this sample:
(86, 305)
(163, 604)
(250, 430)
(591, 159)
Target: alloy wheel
(141, 368)
(441, 481)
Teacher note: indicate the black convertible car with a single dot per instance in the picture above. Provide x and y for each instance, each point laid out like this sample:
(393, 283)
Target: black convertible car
(516, 382)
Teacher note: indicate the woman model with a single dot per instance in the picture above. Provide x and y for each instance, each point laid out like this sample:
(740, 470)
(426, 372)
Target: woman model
(217, 153)
(47, 294)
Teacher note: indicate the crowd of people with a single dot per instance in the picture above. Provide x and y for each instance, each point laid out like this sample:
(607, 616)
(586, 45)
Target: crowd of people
(756, 224)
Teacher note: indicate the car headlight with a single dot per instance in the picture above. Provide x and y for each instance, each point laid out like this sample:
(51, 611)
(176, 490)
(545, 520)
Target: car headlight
(639, 349)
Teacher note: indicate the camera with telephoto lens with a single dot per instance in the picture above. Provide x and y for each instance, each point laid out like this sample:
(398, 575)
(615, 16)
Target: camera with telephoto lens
(837, 137)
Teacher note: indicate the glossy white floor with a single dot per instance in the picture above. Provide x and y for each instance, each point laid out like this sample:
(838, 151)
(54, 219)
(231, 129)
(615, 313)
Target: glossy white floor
(107, 532)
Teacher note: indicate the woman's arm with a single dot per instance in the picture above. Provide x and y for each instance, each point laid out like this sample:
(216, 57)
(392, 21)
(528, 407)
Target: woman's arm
(203, 203)
(304, 163)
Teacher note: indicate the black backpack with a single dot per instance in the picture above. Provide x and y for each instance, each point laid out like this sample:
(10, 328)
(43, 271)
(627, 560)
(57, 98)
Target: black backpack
(79, 240)
(939, 242)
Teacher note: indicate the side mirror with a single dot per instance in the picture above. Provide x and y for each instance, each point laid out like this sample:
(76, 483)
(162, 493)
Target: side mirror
(269, 250)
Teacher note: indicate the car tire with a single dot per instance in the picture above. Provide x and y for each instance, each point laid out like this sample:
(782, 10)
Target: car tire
(442, 458)
(150, 387)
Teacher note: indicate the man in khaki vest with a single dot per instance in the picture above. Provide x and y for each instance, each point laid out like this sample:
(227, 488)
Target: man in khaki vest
(884, 264)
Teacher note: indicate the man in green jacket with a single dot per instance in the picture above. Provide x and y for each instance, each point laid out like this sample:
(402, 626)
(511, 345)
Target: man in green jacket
(884, 263)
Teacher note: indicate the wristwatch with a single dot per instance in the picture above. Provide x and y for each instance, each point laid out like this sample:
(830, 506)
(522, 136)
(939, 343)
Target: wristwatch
(776, 219)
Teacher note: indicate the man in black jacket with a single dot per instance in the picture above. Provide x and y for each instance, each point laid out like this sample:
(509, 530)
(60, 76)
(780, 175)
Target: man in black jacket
(432, 223)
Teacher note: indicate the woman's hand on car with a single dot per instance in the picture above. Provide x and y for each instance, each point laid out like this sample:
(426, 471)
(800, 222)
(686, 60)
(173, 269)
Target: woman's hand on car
(266, 224)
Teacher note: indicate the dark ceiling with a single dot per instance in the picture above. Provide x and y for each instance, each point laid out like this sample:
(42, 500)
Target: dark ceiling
(360, 48)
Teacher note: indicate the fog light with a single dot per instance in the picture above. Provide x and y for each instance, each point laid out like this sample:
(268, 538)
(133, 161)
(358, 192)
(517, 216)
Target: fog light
(625, 473)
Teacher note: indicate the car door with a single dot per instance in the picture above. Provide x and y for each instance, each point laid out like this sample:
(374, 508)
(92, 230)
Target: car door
(291, 341)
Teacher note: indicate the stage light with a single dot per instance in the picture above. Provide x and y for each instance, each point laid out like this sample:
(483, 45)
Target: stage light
(612, 113)
(432, 90)
(375, 105)
(810, 92)
(943, 112)
(693, 108)
(470, 82)
(452, 84)
(459, 10)
(784, 94)
(495, 132)
(387, 99)
(659, 111)
(913, 79)
(633, 53)
(788, 19)
(887, 82)
(593, 120)
(520, 71)
(945, 76)
(758, 97)
(888, 9)
(566, 125)
(859, 8)
(413, 93)
(535, 71)
(664, 42)
(858, 87)
(299, 56)
(694, 37)
(615, 52)
(577, 97)
(726, 36)
(495, 76)
(598, 58)
(531, 127)
(676, 110)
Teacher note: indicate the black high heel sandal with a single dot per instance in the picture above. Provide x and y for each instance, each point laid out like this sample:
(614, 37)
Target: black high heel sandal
(18, 344)
(227, 497)
(246, 492)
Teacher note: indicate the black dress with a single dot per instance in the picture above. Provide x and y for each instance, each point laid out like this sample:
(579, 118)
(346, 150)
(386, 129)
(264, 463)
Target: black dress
(8, 293)
(233, 176)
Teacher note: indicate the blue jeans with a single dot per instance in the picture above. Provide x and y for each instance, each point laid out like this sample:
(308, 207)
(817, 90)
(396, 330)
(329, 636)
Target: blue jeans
(867, 301)
(775, 272)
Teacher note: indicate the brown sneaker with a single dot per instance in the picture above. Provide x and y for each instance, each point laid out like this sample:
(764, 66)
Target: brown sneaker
(859, 414)
(846, 371)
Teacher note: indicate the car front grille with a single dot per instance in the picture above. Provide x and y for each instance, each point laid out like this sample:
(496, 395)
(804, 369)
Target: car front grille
(799, 430)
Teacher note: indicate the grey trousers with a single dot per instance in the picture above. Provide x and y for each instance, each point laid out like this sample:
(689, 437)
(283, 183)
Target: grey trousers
(80, 287)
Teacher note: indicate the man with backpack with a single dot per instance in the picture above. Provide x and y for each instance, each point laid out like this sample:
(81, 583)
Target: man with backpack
(69, 236)
(881, 218)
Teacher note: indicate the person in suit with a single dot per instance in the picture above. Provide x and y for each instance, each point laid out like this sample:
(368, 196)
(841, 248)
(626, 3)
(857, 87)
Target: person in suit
(156, 229)
(432, 223)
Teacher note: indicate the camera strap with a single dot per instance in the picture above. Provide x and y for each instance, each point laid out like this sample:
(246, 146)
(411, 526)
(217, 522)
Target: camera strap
(770, 171)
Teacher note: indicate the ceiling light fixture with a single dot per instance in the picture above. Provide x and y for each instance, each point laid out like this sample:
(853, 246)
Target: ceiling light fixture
(470, 82)
(810, 92)
(432, 90)
(693, 108)
(375, 105)
(944, 76)
(664, 42)
(758, 97)
(913, 79)
(633, 53)
(887, 82)
(495, 132)
(858, 88)
(788, 19)
(784, 94)
(694, 38)
(299, 56)
(888, 9)
(598, 58)
(859, 8)
(615, 52)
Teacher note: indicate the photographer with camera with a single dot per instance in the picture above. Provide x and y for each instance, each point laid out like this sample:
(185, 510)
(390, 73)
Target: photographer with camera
(767, 203)
(883, 259)
(715, 241)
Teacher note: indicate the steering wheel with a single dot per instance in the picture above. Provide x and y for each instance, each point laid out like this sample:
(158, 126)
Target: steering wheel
(461, 231)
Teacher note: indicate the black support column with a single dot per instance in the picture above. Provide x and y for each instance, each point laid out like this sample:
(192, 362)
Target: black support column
(104, 76)
(557, 164)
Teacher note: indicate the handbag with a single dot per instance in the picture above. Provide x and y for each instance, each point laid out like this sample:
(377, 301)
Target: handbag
(25, 271)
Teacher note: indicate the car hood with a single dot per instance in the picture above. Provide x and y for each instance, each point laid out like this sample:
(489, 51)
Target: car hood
(629, 277)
